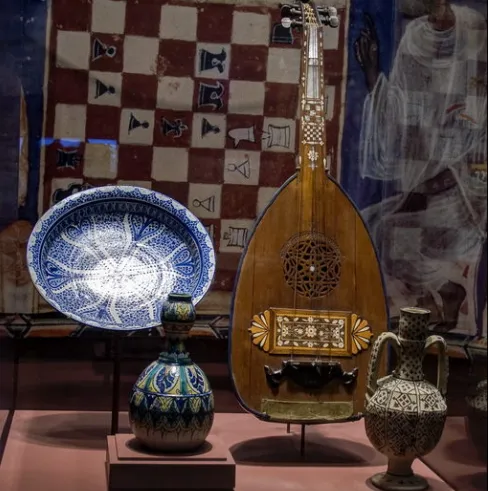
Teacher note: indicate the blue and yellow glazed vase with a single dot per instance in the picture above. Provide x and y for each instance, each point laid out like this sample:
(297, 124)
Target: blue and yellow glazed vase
(171, 407)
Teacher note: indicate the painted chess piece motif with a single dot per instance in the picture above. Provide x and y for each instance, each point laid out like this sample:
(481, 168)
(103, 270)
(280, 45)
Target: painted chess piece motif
(405, 414)
(171, 406)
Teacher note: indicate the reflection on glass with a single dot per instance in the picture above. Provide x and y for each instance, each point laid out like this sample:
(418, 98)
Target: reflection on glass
(424, 131)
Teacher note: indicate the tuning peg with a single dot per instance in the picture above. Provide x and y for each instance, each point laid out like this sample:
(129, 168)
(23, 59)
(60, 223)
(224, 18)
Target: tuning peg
(290, 11)
(333, 21)
(329, 11)
(330, 21)
(328, 16)
(287, 23)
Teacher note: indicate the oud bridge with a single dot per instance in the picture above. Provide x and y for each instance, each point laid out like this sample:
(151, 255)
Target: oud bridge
(310, 375)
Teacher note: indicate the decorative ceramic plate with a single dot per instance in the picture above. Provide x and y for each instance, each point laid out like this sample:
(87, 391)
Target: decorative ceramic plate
(109, 256)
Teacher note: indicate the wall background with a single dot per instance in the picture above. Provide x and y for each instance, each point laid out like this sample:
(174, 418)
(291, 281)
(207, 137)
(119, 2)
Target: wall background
(401, 135)
(117, 94)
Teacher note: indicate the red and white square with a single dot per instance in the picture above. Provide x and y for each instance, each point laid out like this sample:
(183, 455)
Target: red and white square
(234, 235)
(215, 23)
(283, 65)
(175, 93)
(105, 88)
(206, 166)
(178, 22)
(142, 18)
(250, 28)
(212, 61)
(70, 121)
(73, 49)
(107, 52)
(176, 58)
(280, 135)
(141, 55)
(265, 195)
(246, 97)
(139, 91)
(135, 162)
(136, 183)
(170, 164)
(100, 160)
(248, 62)
(242, 167)
(331, 37)
(108, 16)
(204, 200)
(330, 100)
(209, 130)
(239, 202)
(136, 126)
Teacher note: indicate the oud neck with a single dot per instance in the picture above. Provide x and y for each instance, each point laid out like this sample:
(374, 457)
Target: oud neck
(312, 151)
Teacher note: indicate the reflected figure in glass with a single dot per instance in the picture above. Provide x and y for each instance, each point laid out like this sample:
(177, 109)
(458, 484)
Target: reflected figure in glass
(423, 133)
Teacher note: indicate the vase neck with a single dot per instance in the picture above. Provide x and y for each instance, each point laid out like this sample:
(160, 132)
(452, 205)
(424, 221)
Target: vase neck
(174, 351)
(412, 334)
(410, 363)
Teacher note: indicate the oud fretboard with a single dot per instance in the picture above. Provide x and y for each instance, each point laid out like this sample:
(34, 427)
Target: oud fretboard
(312, 101)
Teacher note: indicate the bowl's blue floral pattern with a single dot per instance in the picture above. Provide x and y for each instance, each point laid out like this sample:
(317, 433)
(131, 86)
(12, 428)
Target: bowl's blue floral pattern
(108, 257)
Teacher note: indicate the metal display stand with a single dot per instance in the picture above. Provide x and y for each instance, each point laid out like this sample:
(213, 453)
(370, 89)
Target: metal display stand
(302, 437)
(116, 355)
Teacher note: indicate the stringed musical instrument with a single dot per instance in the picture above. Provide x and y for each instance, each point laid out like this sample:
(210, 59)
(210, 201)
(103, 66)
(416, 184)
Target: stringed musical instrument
(309, 294)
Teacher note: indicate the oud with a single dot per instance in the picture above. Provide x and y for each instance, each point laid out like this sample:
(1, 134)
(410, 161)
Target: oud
(309, 295)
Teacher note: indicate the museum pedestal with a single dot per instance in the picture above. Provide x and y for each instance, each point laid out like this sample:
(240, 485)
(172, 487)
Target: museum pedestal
(130, 467)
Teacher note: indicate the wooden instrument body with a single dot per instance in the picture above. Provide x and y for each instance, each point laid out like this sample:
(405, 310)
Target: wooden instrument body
(309, 294)
(261, 285)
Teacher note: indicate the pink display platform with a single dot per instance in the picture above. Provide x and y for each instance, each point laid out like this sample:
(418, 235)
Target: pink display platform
(66, 451)
(131, 467)
(456, 459)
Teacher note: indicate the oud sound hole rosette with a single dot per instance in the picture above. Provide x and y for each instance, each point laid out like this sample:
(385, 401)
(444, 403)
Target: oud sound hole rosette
(311, 264)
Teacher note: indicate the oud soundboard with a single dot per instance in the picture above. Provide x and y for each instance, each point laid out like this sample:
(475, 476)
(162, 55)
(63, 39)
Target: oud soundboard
(197, 102)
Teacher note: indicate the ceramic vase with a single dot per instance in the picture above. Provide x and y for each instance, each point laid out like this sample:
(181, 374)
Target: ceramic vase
(405, 414)
(171, 407)
(477, 418)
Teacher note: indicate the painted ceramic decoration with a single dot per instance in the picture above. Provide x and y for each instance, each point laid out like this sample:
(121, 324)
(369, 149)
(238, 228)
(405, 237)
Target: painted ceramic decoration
(405, 414)
(476, 420)
(109, 256)
(171, 407)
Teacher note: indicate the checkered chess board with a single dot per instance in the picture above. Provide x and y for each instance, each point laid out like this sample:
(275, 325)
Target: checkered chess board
(195, 100)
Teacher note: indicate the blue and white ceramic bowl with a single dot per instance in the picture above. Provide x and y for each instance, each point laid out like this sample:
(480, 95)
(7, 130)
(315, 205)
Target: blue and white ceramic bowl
(109, 256)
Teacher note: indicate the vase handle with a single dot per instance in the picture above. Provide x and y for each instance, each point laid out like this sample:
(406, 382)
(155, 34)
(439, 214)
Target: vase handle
(442, 361)
(374, 361)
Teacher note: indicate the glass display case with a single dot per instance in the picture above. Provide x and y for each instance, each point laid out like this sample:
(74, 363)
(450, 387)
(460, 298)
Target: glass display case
(206, 103)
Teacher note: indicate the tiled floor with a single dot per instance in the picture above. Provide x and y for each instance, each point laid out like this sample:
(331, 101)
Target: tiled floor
(60, 451)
